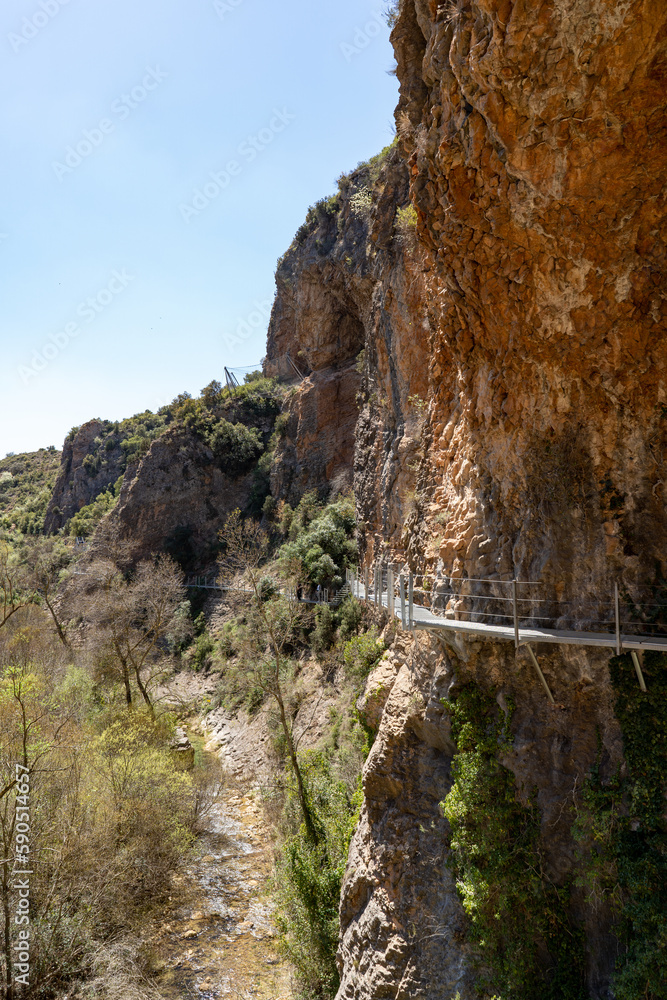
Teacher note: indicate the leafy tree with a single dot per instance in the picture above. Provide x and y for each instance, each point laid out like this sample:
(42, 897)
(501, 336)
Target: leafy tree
(321, 541)
(235, 446)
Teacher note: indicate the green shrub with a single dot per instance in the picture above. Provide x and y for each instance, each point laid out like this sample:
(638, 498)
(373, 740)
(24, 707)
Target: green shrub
(235, 446)
(405, 224)
(85, 521)
(324, 633)
(228, 643)
(322, 543)
(350, 616)
(199, 654)
(361, 653)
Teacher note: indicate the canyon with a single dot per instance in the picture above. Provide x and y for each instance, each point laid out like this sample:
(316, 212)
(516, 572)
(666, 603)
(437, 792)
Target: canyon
(477, 320)
(510, 421)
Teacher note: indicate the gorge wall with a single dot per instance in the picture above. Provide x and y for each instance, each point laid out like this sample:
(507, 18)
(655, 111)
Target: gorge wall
(477, 318)
(510, 422)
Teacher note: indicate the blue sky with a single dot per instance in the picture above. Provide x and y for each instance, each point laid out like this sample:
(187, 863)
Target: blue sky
(158, 157)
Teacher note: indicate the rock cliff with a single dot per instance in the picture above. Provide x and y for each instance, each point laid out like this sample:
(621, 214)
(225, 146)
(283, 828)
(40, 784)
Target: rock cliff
(78, 484)
(177, 499)
(538, 158)
(510, 423)
(347, 298)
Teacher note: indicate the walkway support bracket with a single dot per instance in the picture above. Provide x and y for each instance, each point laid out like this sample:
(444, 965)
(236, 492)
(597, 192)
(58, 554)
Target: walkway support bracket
(638, 669)
(401, 586)
(540, 674)
(515, 609)
(617, 615)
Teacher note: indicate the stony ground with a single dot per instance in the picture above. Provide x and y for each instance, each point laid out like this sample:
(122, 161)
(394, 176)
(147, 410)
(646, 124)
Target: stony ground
(217, 939)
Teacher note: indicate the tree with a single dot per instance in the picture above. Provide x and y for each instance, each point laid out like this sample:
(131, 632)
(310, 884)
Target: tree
(321, 540)
(273, 623)
(14, 590)
(30, 739)
(136, 617)
(45, 560)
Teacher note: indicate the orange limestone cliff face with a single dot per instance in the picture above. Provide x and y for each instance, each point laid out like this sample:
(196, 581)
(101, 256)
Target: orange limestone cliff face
(348, 298)
(528, 358)
(537, 145)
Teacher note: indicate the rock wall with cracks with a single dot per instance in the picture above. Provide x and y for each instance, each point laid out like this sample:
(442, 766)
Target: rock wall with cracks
(349, 298)
(537, 147)
(511, 420)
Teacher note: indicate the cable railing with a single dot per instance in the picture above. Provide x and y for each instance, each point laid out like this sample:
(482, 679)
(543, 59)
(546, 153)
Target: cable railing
(447, 598)
(509, 615)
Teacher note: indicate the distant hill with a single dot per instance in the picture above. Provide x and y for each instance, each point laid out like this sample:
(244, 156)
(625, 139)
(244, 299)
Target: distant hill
(26, 485)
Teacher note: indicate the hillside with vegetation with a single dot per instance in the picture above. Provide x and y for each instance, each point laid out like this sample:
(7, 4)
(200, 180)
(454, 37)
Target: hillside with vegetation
(26, 485)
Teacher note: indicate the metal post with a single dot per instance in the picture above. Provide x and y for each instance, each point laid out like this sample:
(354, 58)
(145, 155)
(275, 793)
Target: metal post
(540, 674)
(390, 590)
(617, 610)
(638, 669)
(375, 586)
(410, 601)
(401, 587)
(515, 604)
(366, 581)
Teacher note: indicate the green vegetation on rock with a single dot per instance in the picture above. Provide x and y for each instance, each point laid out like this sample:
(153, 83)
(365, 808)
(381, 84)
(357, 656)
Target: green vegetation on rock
(26, 484)
(321, 543)
(516, 914)
(621, 828)
(86, 520)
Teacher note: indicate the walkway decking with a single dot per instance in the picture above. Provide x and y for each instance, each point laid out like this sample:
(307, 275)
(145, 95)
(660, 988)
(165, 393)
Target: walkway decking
(413, 616)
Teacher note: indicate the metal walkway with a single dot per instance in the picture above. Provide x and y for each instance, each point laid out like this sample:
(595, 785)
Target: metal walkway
(414, 617)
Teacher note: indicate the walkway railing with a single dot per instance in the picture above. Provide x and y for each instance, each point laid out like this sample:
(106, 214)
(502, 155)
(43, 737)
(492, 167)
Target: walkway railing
(214, 581)
(513, 610)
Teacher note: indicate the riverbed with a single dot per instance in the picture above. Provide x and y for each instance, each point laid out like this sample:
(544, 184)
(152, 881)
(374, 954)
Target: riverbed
(218, 938)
